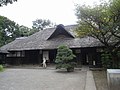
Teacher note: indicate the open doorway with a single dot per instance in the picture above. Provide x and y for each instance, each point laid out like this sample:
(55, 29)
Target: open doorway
(85, 59)
(52, 55)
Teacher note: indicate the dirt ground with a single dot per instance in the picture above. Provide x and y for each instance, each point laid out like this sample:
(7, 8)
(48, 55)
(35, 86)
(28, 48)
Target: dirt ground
(42, 79)
(100, 78)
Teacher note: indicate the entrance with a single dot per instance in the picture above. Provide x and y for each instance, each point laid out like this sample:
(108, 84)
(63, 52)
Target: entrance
(85, 59)
(52, 55)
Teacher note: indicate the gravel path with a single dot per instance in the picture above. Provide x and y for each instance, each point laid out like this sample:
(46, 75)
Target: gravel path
(41, 79)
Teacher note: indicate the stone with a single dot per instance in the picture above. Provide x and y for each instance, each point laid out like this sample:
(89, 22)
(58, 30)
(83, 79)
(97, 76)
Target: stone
(113, 77)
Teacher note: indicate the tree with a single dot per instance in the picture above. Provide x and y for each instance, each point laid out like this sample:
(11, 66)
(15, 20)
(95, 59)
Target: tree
(5, 2)
(25, 31)
(41, 24)
(103, 23)
(7, 30)
(64, 58)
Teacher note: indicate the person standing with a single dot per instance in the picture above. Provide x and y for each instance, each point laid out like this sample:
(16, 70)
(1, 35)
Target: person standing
(44, 62)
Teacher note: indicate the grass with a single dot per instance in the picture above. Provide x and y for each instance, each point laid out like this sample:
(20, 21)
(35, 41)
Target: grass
(100, 78)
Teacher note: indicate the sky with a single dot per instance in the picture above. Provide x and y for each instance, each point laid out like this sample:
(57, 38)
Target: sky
(24, 12)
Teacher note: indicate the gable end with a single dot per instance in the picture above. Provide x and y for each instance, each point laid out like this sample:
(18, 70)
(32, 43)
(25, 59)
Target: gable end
(60, 30)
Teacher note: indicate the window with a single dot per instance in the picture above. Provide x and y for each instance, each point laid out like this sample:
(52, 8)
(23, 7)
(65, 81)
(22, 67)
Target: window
(11, 54)
(16, 54)
(22, 53)
(77, 51)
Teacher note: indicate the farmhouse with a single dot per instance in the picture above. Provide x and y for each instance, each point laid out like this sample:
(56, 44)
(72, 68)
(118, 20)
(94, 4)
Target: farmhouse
(32, 49)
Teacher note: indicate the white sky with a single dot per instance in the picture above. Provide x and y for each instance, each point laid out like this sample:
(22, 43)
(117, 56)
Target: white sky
(24, 12)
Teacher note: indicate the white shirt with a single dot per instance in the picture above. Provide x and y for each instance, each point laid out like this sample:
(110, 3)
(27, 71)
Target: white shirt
(44, 60)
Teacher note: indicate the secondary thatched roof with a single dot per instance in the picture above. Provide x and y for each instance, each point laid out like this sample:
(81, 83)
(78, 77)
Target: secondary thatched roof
(50, 39)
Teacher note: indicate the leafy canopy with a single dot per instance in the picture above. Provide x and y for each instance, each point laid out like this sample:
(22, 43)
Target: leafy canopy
(25, 31)
(5, 2)
(9, 30)
(41, 24)
(103, 23)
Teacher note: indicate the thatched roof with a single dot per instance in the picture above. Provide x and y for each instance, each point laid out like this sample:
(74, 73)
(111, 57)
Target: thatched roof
(50, 39)
(3, 51)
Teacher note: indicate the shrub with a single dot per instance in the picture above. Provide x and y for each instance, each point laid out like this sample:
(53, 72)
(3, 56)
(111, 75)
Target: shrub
(64, 58)
(1, 68)
(106, 60)
(110, 60)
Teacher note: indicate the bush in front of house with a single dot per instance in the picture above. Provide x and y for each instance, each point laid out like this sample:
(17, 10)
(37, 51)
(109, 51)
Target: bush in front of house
(64, 58)
(106, 60)
(1, 68)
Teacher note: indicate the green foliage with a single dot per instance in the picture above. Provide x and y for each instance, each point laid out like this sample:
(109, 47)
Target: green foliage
(25, 31)
(103, 23)
(8, 29)
(106, 60)
(99, 22)
(41, 24)
(110, 60)
(114, 9)
(118, 54)
(64, 58)
(94, 21)
(1, 68)
(5, 2)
